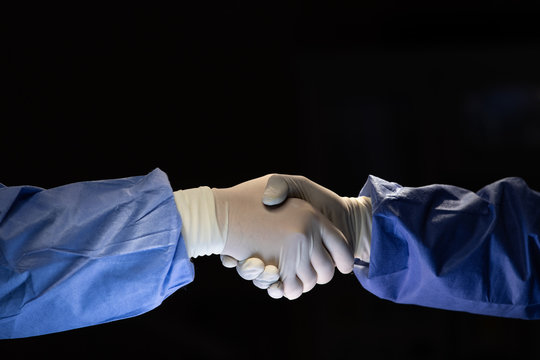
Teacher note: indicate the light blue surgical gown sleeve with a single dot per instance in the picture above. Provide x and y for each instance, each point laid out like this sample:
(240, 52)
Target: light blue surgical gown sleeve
(446, 247)
(87, 253)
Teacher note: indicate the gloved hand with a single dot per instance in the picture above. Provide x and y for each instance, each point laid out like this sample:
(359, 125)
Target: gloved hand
(294, 237)
(351, 215)
(203, 236)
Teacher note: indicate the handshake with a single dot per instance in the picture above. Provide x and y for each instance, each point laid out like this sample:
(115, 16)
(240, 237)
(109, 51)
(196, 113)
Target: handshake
(285, 233)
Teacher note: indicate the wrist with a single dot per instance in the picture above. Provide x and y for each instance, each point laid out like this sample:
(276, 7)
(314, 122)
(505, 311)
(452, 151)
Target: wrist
(200, 229)
(360, 217)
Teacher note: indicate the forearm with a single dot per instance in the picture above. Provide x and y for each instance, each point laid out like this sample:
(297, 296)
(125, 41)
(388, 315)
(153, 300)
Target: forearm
(446, 247)
(88, 253)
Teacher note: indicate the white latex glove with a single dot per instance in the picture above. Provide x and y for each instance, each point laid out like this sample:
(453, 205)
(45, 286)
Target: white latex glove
(293, 237)
(253, 269)
(351, 215)
(203, 236)
(263, 276)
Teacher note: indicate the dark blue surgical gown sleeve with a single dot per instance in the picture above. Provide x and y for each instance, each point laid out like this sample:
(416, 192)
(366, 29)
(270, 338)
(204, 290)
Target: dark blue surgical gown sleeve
(445, 247)
(87, 253)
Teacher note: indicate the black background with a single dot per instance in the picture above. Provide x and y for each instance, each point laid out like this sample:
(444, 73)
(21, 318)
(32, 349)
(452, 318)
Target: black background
(218, 93)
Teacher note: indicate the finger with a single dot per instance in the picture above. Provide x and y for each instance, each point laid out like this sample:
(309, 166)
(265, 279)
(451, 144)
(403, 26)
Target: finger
(322, 263)
(269, 276)
(228, 261)
(276, 190)
(308, 276)
(337, 245)
(276, 290)
(304, 270)
(297, 253)
(250, 268)
(261, 284)
(292, 287)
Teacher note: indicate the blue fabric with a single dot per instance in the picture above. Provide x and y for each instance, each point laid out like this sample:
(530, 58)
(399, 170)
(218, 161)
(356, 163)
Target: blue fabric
(446, 247)
(87, 253)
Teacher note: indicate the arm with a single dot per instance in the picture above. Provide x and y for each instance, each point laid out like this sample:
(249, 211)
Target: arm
(87, 253)
(93, 252)
(446, 247)
(439, 246)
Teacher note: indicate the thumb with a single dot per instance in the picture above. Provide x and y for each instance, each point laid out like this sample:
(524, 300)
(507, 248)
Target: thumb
(276, 190)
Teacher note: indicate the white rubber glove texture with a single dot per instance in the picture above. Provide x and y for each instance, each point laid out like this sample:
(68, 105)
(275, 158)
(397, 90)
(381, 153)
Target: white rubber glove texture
(350, 215)
(294, 238)
(200, 230)
(264, 277)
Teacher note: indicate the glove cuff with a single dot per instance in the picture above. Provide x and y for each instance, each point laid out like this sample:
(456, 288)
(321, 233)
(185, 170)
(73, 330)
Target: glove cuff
(199, 224)
(361, 218)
